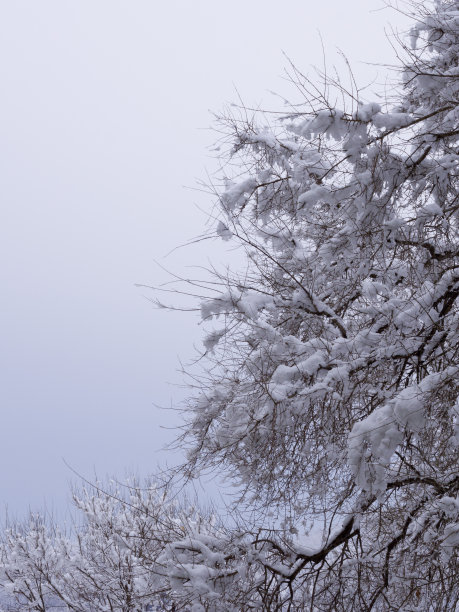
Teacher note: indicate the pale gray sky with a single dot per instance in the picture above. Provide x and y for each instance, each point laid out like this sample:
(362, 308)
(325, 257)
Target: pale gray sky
(103, 118)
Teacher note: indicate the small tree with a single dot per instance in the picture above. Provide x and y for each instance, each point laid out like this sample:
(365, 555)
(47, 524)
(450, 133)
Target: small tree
(122, 555)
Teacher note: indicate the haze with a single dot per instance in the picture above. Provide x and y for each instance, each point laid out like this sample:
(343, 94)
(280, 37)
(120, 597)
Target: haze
(104, 120)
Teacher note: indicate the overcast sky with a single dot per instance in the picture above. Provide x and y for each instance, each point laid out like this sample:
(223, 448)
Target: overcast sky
(104, 120)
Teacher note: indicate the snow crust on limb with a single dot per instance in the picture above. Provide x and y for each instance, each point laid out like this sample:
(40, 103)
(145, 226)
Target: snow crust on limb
(332, 393)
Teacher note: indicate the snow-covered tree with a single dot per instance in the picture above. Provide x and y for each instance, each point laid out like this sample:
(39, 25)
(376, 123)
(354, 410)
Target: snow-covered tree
(333, 396)
(122, 554)
(332, 393)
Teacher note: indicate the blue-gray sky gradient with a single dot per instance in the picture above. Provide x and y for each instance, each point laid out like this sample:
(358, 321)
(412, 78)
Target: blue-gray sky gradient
(104, 116)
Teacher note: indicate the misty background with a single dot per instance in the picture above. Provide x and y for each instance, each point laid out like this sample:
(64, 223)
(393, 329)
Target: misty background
(104, 122)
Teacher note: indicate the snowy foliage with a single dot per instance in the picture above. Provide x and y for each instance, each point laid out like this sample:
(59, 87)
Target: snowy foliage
(125, 554)
(332, 394)
(337, 400)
